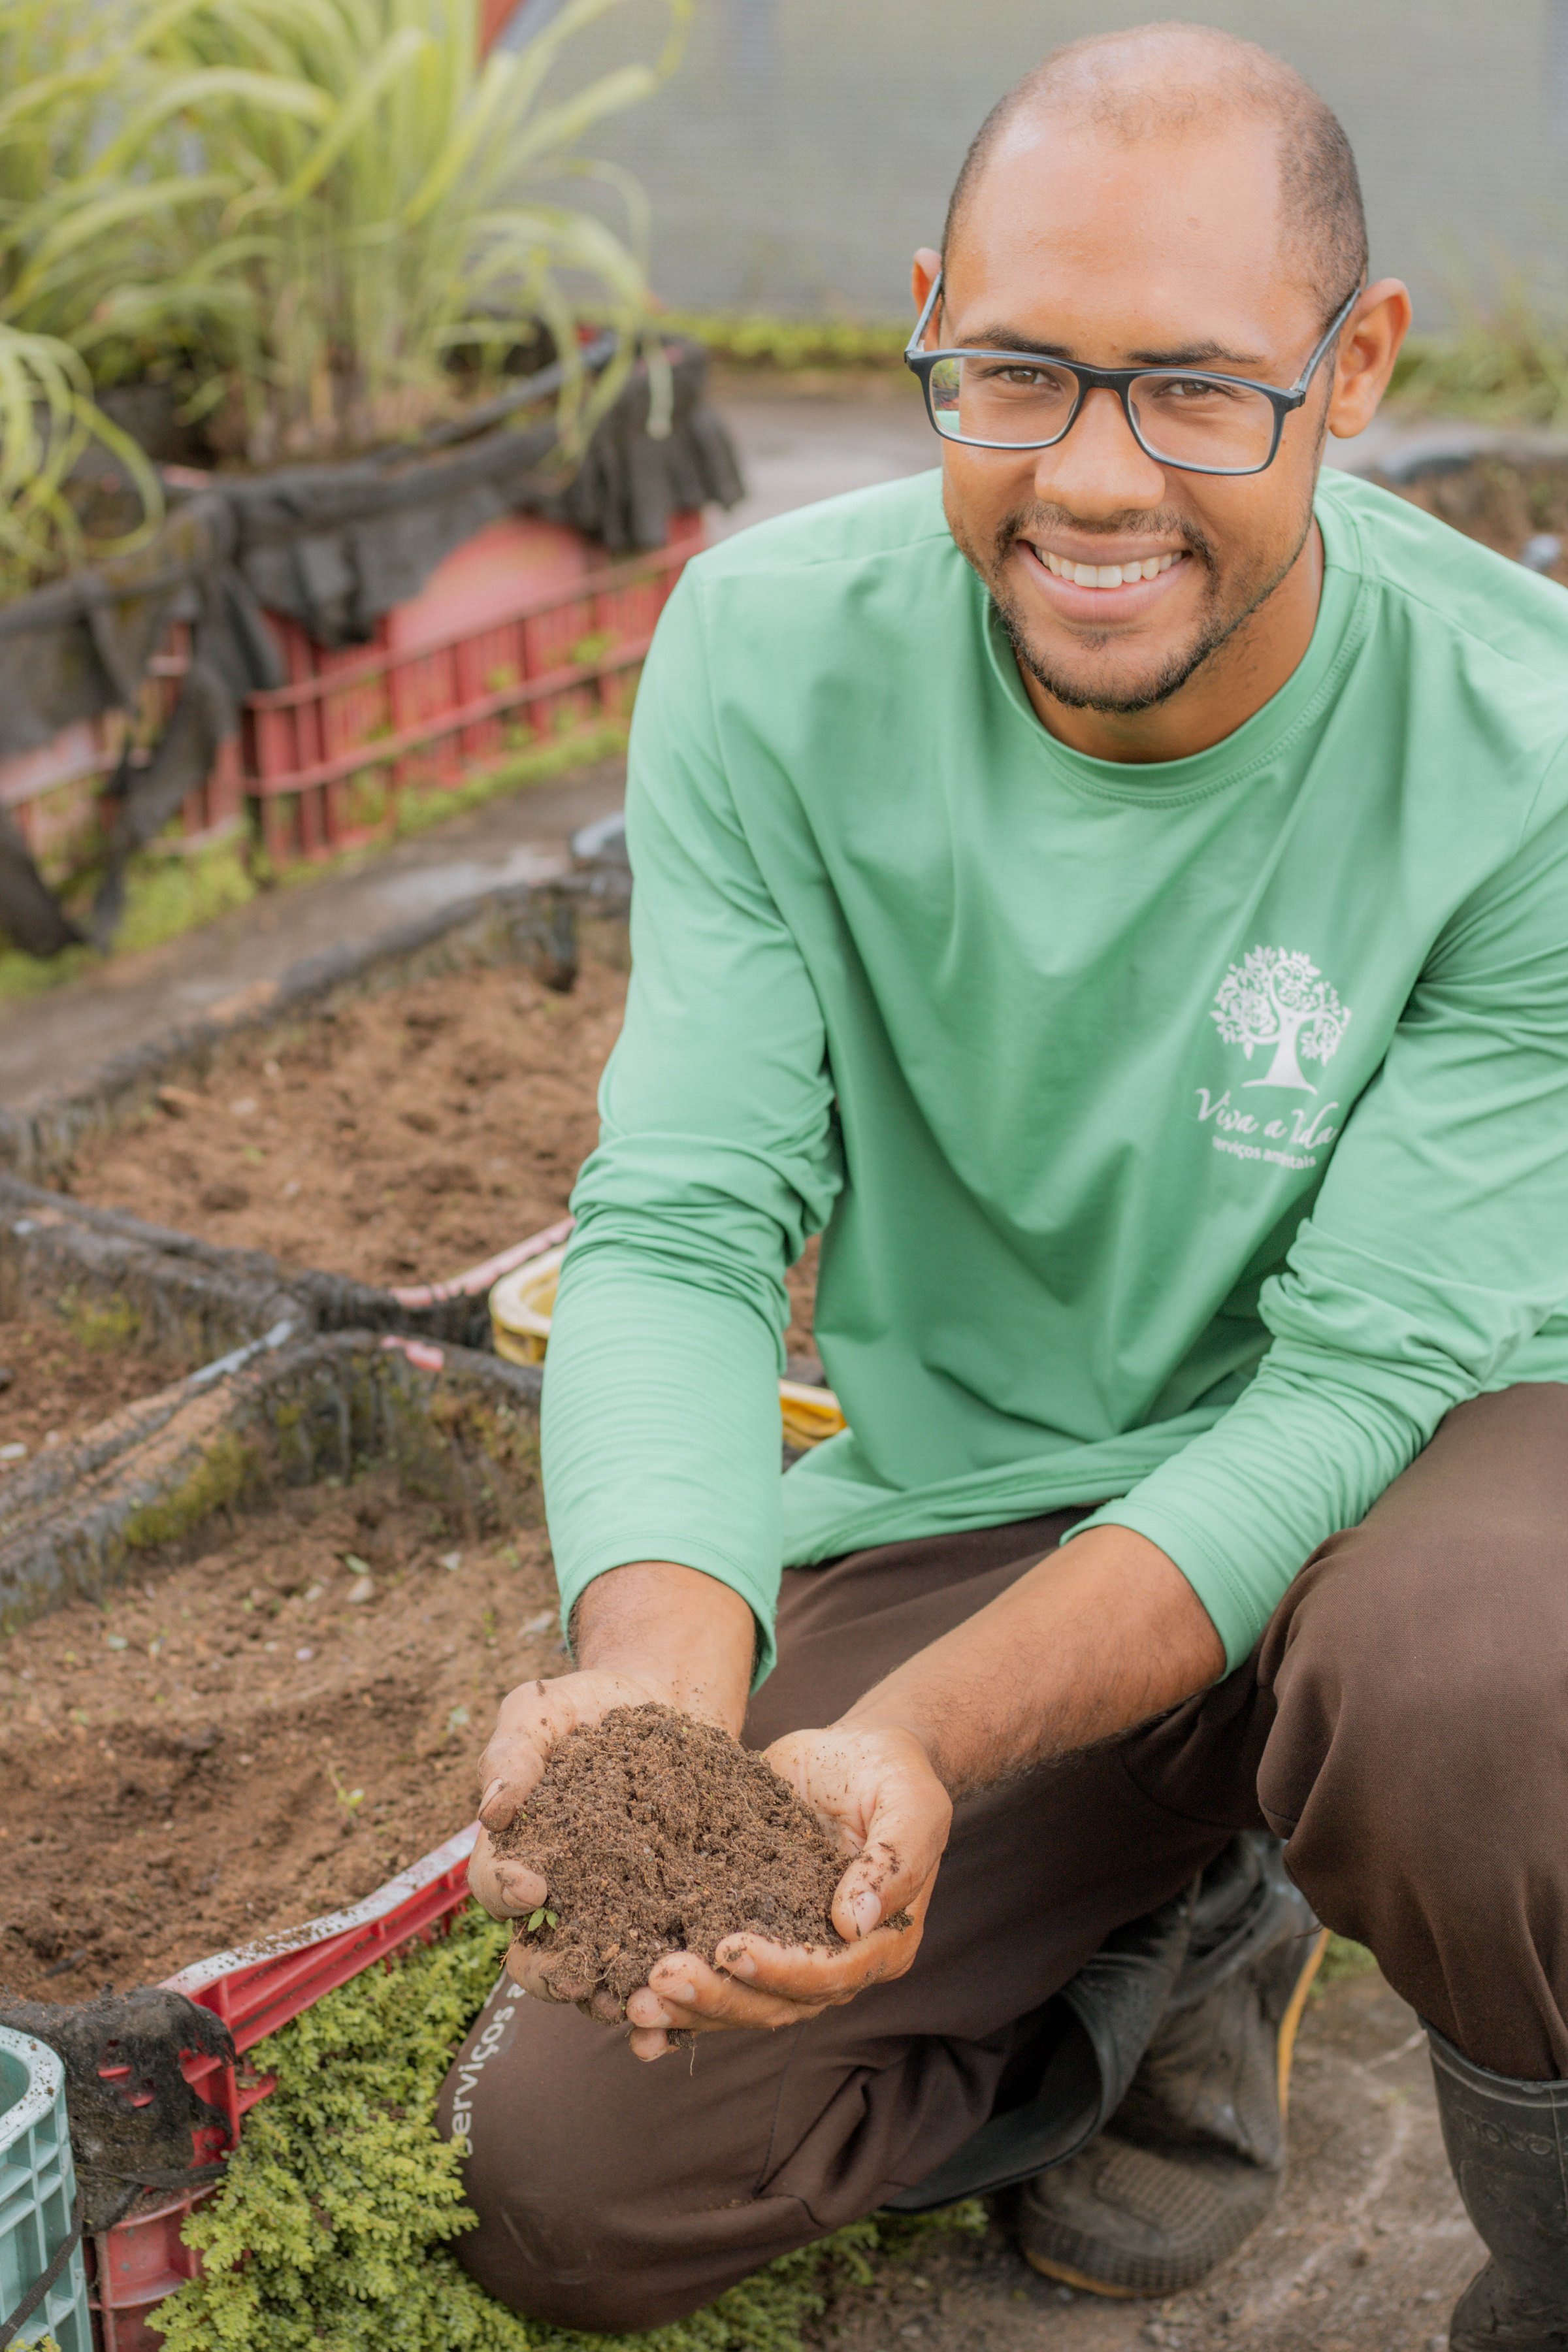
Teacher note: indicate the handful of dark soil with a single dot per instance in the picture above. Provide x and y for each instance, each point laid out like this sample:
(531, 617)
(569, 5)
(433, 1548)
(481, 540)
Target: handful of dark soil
(654, 1835)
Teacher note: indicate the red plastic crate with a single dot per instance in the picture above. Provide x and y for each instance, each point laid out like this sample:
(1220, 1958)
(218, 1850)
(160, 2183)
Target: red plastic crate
(255, 1990)
(521, 633)
(518, 636)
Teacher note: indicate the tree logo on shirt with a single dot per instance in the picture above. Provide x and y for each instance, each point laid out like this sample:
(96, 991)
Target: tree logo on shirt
(1277, 997)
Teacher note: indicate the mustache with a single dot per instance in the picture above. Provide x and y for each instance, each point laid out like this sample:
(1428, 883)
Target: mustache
(1156, 522)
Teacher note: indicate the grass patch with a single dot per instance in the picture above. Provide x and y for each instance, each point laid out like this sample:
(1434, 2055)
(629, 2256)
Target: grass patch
(333, 2231)
(754, 339)
(164, 895)
(1503, 362)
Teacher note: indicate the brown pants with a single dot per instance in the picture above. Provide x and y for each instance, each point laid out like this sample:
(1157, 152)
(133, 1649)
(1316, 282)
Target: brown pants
(1403, 1725)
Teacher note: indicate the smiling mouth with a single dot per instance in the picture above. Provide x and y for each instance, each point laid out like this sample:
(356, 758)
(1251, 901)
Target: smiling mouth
(1104, 575)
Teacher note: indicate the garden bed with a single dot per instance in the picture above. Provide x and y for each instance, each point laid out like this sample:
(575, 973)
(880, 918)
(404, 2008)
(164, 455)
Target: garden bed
(397, 1138)
(1504, 497)
(265, 1724)
(403, 1136)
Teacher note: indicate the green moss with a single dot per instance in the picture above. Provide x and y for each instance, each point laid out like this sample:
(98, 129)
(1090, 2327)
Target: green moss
(100, 1323)
(228, 1467)
(1344, 1960)
(333, 2231)
(605, 740)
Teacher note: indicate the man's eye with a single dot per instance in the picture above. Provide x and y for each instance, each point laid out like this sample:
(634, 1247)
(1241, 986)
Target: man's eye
(1188, 390)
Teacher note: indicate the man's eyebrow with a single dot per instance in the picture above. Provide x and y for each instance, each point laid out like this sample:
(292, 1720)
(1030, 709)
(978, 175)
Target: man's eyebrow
(1206, 354)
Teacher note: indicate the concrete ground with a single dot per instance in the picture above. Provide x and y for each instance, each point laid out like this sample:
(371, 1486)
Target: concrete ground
(1367, 2250)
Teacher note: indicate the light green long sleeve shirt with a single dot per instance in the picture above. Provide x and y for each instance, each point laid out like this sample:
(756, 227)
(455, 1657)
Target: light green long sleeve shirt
(1192, 1134)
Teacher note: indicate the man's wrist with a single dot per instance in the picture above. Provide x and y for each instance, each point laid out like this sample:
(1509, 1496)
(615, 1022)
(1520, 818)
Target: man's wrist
(688, 1640)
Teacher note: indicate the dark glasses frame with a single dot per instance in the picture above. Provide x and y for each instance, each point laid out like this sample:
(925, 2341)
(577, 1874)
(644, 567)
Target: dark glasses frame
(1119, 381)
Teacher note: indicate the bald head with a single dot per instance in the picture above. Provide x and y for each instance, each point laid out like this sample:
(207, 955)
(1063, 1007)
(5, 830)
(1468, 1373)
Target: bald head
(1170, 81)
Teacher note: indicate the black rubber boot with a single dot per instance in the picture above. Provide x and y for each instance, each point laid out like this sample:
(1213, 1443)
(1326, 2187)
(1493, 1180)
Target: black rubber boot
(1093, 2036)
(1194, 2154)
(1508, 2143)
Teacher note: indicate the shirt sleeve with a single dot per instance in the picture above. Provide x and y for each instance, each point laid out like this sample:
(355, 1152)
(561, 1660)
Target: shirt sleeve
(716, 1159)
(1437, 1246)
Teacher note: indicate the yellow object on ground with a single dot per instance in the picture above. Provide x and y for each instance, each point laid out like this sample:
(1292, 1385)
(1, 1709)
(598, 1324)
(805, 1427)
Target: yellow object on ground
(524, 1301)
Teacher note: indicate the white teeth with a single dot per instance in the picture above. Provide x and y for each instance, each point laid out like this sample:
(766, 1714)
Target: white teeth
(1105, 576)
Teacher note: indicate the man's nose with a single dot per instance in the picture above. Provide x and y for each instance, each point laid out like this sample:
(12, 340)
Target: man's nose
(1098, 470)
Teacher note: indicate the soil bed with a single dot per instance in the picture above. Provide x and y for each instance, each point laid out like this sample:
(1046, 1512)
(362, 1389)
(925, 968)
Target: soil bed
(1503, 502)
(240, 1743)
(400, 1139)
(58, 1379)
(655, 1834)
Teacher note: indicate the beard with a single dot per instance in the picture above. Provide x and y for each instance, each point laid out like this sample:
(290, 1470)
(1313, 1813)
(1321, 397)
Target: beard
(1227, 606)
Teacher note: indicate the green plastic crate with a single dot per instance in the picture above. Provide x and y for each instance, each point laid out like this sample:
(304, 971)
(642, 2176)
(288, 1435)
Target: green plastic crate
(37, 2194)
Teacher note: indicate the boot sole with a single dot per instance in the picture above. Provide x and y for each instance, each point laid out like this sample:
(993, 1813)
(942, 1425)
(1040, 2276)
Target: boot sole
(1064, 2275)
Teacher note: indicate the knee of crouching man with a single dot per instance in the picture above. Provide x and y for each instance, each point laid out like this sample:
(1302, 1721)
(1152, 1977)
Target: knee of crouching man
(552, 2268)
(1420, 1695)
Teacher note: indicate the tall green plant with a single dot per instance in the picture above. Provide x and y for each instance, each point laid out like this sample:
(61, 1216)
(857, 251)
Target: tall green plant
(49, 431)
(57, 69)
(1504, 359)
(335, 206)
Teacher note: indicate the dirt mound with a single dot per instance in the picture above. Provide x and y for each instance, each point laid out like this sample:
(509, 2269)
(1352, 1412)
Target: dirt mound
(655, 1834)
(256, 1734)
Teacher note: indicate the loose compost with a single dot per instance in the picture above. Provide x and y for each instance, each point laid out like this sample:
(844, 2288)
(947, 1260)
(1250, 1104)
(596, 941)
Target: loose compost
(657, 1833)
(254, 1735)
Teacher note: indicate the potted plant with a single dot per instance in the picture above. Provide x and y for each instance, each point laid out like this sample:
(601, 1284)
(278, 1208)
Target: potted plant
(332, 234)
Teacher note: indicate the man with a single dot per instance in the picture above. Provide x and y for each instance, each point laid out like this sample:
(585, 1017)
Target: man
(1118, 892)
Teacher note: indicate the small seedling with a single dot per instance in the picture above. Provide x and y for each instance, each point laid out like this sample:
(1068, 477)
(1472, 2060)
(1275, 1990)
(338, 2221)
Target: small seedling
(349, 1799)
(537, 1919)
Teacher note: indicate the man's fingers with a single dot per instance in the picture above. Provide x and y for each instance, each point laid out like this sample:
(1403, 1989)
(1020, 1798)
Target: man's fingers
(683, 1993)
(504, 1889)
(878, 1886)
(815, 1974)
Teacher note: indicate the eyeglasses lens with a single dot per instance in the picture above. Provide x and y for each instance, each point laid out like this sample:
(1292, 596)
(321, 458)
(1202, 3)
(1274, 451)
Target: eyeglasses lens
(1028, 404)
(1195, 422)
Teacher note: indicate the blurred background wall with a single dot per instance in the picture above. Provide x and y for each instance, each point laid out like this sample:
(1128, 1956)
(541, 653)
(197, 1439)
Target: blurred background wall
(805, 147)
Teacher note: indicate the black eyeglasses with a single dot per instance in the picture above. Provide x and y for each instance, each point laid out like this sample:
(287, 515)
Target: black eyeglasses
(1186, 418)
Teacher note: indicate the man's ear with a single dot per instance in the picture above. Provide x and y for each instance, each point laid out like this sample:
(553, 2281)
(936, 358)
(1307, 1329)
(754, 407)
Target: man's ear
(927, 262)
(1369, 346)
